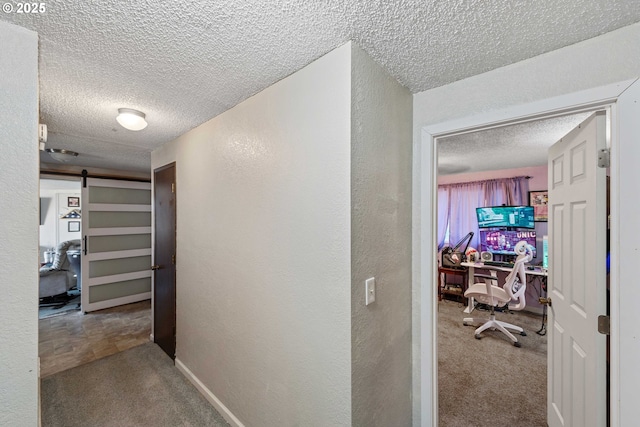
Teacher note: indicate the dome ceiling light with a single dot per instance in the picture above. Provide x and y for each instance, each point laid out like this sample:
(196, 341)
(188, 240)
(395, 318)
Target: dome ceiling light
(131, 119)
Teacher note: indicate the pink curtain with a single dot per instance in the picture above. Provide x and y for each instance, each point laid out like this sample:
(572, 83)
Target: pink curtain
(462, 199)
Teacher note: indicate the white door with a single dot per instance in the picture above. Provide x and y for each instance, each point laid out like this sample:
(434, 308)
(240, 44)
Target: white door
(576, 375)
(116, 230)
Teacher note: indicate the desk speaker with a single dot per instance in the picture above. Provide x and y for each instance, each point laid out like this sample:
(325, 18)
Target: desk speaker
(486, 256)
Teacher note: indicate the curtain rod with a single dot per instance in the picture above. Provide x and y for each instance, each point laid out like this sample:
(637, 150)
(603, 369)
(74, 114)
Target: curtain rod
(485, 180)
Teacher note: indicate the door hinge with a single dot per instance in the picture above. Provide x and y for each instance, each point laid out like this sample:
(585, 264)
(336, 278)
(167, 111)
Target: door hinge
(173, 187)
(173, 259)
(604, 158)
(604, 325)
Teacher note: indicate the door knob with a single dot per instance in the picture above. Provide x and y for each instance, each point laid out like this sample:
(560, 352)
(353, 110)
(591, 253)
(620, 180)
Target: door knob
(155, 267)
(545, 301)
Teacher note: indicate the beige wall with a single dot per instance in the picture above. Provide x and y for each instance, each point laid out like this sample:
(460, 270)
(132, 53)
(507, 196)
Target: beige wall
(286, 203)
(380, 245)
(263, 271)
(19, 206)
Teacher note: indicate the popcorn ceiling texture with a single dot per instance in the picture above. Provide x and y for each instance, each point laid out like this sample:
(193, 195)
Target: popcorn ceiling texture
(504, 147)
(183, 63)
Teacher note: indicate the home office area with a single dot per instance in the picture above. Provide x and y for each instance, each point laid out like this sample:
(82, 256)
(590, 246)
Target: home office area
(482, 216)
(569, 211)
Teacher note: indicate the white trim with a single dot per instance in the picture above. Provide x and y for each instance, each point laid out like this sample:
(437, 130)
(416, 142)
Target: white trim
(119, 207)
(115, 278)
(116, 231)
(425, 216)
(93, 306)
(585, 100)
(223, 410)
(129, 253)
(116, 183)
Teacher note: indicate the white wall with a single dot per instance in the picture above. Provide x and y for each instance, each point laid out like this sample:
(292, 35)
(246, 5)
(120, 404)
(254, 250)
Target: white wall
(380, 245)
(286, 204)
(596, 62)
(263, 250)
(19, 210)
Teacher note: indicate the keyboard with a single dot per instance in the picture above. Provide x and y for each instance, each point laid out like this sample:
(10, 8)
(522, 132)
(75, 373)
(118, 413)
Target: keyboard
(499, 264)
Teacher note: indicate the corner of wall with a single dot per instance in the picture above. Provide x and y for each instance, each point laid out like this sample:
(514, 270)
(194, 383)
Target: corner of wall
(19, 194)
(381, 152)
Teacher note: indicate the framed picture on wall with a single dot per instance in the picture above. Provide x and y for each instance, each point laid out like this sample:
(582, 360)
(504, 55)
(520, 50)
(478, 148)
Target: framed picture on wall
(539, 200)
(73, 226)
(73, 202)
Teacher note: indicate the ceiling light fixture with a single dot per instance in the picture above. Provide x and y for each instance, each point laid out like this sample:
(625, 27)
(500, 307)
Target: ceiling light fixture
(61, 155)
(131, 119)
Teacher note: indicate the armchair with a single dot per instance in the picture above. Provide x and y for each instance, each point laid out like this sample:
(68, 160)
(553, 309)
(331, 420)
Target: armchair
(59, 277)
(511, 293)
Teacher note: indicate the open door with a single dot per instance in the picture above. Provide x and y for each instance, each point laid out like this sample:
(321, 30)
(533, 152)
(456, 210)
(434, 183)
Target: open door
(576, 374)
(164, 283)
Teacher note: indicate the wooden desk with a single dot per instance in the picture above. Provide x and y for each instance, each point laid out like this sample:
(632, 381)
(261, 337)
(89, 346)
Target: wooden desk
(442, 281)
(537, 271)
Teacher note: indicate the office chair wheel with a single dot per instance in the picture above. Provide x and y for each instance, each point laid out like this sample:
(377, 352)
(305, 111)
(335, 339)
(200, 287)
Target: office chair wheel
(478, 336)
(517, 344)
(523, 333)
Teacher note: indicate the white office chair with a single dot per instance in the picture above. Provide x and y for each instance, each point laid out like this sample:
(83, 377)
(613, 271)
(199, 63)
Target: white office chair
(511, 293)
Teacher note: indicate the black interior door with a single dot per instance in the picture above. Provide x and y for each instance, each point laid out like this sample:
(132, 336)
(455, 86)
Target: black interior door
(164, 291)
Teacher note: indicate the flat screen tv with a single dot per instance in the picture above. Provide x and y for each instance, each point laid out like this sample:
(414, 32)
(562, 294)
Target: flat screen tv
(503, 242)
(505, 216)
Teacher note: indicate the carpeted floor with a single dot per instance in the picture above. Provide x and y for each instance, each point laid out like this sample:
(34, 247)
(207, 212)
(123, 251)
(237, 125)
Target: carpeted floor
(490, 382)
(137, 387)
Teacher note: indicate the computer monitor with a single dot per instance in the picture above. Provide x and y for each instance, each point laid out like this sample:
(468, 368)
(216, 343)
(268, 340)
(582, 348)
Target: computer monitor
(505, 216)
(503, 242)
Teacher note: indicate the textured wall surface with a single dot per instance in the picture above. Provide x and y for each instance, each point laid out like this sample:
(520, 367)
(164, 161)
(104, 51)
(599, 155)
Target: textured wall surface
(263, 249)
(380, 245)
(19, 210)
(596, 62)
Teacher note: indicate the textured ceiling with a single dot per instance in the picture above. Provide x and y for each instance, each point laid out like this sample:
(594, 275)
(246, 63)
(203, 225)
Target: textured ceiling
(508, 147)
(184, 62)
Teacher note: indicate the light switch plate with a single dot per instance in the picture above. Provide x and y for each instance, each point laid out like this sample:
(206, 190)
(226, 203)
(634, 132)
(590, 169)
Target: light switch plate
(370, 289)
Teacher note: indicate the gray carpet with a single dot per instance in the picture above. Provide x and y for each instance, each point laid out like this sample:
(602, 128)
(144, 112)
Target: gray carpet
(490, 382)
(138, 387)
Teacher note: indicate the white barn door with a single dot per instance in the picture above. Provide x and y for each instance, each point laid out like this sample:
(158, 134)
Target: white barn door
(576, 372)
(116, 244)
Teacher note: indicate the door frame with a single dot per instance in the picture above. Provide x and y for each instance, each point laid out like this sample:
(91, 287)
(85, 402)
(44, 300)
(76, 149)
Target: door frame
(424, 218)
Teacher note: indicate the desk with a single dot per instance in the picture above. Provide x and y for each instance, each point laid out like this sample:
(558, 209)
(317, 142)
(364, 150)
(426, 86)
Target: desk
(442, 281)
(537, 271)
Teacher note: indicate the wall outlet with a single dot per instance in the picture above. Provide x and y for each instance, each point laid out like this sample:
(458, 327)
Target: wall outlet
(370, 289)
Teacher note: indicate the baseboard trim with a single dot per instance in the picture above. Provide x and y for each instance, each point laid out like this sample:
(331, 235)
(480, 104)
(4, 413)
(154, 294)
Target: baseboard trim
(224, 411)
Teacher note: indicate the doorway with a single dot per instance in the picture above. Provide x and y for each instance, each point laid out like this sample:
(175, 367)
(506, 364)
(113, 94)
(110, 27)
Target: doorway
(492, 368)
(164, 288)
(60, 282)
(622, 97)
